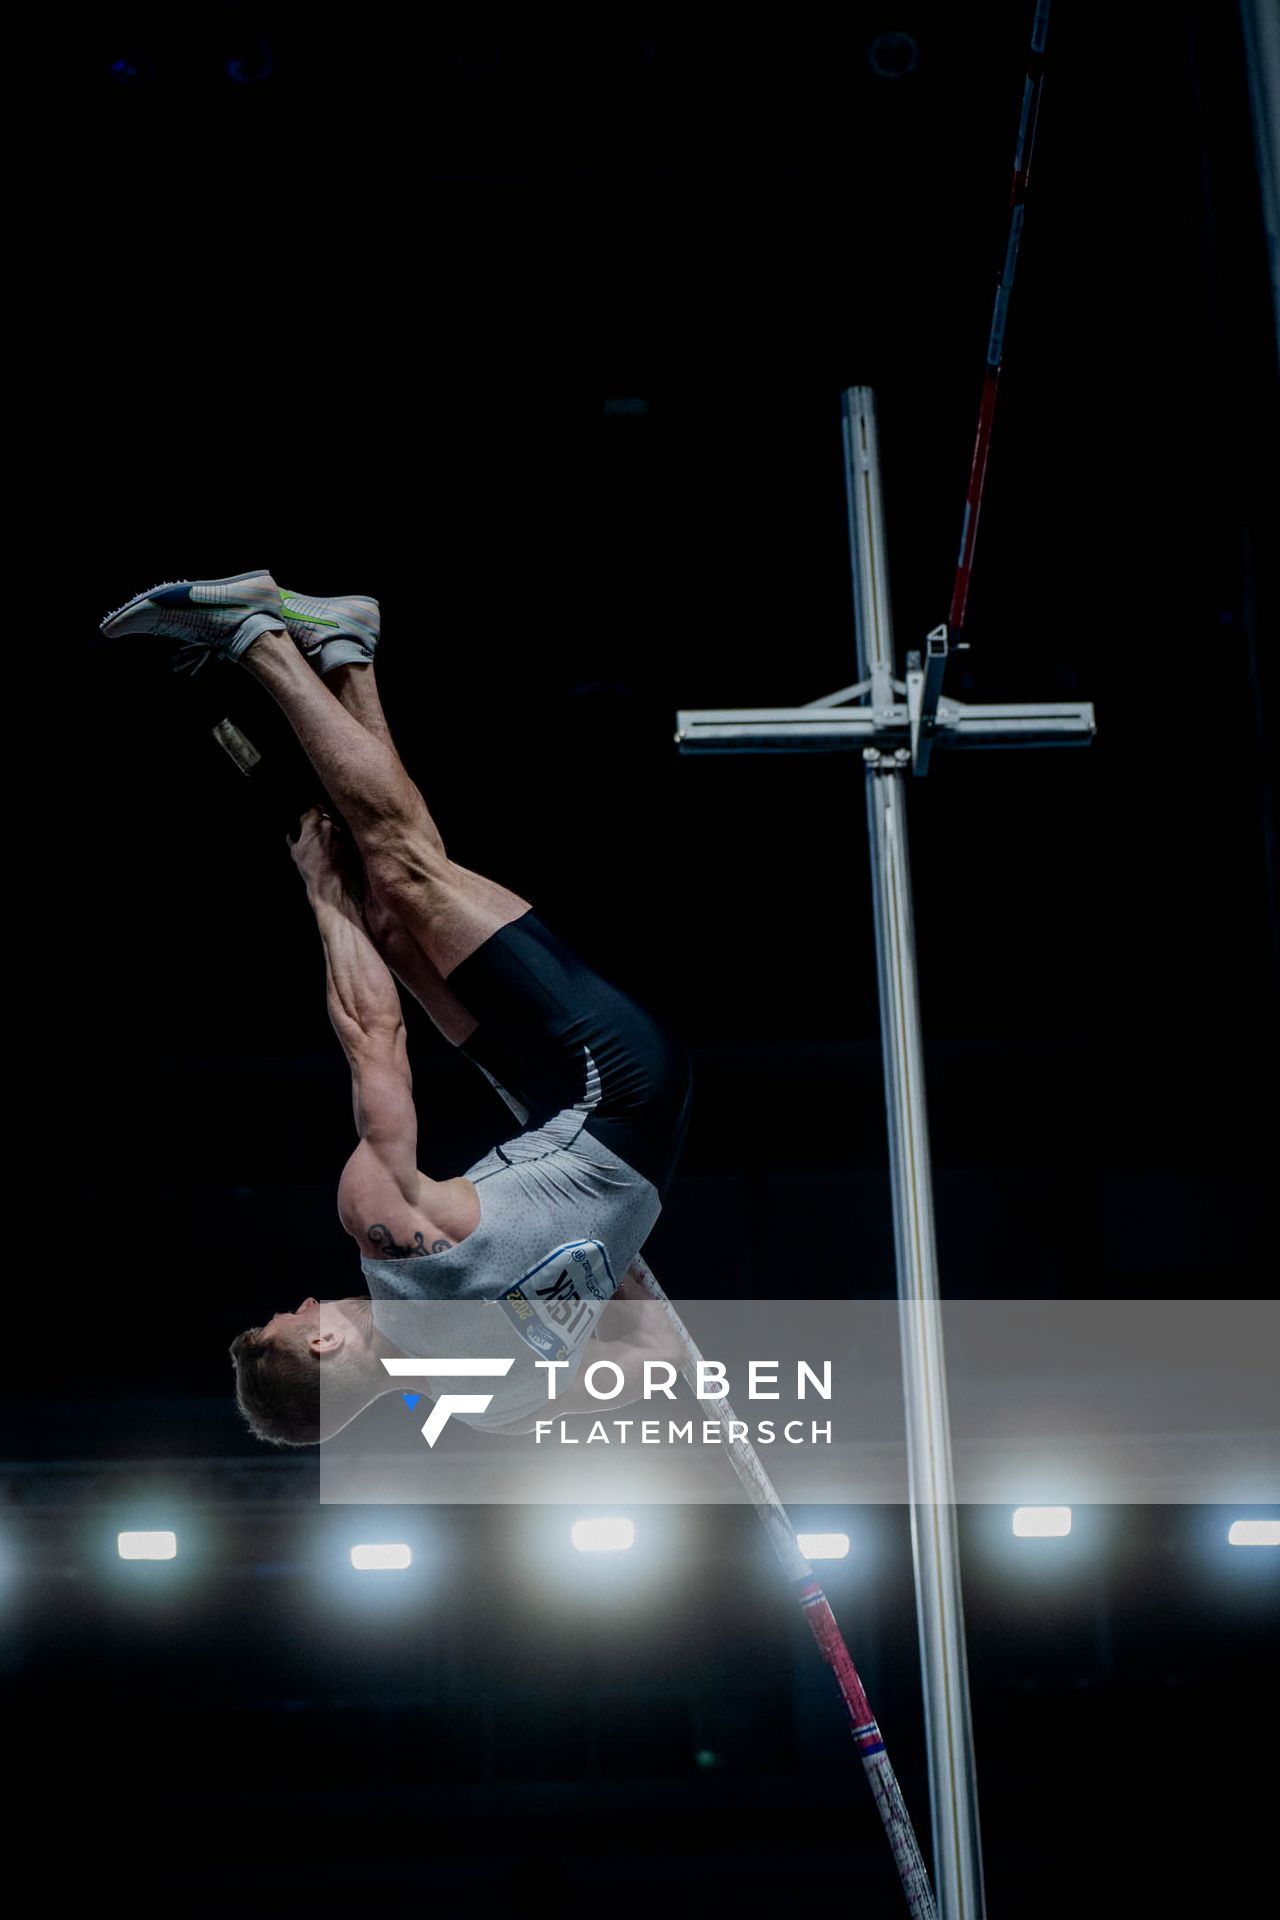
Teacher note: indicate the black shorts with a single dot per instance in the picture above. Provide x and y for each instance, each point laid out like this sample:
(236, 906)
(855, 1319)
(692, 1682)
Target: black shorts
(556, 1035)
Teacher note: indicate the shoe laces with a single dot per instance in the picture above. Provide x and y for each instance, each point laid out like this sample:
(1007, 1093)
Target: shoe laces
(190, 656)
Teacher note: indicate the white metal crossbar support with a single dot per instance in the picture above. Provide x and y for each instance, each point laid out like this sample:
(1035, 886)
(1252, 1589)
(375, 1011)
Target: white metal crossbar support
(897, 725)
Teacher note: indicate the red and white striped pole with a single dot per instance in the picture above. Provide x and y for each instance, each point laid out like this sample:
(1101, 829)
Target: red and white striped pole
(1031, 91)
(822, 1623)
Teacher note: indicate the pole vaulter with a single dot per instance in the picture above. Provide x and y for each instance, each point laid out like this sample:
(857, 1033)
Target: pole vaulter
(896, 725)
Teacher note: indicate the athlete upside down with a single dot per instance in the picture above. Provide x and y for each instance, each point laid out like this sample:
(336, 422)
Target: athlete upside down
(540, 1233)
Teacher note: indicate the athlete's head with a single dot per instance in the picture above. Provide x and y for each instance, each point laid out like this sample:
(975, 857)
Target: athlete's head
(281, 1367)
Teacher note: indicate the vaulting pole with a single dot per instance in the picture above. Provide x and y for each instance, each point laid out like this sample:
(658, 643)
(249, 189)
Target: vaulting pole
(1023, 150)
(822, 1623)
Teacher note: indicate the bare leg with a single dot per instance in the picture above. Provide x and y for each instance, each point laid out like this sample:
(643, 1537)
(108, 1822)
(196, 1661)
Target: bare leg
(447, 909)
(397, 948)
(357, 691)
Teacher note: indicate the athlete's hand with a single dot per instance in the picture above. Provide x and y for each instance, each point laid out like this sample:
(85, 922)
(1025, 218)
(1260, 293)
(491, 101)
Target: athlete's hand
(316, 848)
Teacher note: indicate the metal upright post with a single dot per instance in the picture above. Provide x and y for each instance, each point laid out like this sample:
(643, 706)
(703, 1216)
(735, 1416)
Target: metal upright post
(957, 1867)
(897, 726)
(895, 737)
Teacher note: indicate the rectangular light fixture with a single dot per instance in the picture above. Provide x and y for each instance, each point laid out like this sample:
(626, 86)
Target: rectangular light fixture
(1041, 1523)
(147, 1546)
(603, 1536)
(824, 1546)
(1254, 1533)
(381, 1559)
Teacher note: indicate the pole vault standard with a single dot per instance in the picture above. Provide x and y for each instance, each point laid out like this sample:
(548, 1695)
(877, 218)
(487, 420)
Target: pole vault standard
(822, 1622)
(893, 737)
(896, 725)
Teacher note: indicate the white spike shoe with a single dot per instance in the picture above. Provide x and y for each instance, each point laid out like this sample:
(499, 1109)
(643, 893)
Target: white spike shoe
(208, 616)
(333, 633)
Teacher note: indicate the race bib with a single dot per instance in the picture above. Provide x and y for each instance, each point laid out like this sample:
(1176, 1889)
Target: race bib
(554, 1308)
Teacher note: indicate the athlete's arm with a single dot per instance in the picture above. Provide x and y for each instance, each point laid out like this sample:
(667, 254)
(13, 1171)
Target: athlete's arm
(381, 1194)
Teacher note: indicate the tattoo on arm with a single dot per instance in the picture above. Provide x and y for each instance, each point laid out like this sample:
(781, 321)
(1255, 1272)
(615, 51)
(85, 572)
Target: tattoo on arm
(390, 1249)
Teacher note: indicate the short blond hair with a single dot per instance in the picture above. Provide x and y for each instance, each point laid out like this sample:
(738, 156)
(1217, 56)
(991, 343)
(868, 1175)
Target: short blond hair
(277, 1389)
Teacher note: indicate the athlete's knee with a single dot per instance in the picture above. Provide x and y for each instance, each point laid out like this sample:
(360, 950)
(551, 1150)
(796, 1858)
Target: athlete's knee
(402, 854)
(385, 923)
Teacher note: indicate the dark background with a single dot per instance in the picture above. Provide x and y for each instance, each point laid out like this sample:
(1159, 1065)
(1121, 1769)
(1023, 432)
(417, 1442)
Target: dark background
(354, 320)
